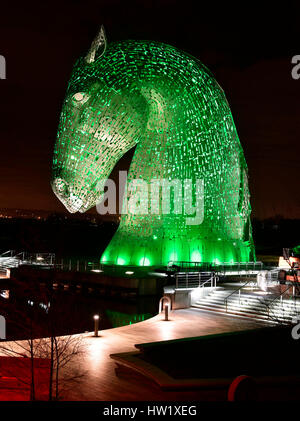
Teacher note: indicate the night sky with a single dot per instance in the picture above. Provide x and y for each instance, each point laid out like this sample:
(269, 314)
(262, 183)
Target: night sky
(248, 49)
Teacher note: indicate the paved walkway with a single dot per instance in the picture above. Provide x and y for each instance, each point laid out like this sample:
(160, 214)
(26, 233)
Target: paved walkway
(101, 382)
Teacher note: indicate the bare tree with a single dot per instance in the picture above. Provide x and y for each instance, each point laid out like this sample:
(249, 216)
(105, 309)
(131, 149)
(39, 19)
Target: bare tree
(41, 326)
(26, 321)
(61, 351)
(24, 368)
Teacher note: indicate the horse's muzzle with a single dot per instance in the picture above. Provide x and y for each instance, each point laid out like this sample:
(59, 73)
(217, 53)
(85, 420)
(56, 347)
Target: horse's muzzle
(63, 190)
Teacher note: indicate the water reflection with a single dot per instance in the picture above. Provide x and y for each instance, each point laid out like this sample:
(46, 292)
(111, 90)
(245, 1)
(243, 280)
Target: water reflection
(117, 318)
(73, 310)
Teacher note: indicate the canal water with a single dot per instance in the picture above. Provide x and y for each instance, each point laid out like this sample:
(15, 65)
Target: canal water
(36, 313)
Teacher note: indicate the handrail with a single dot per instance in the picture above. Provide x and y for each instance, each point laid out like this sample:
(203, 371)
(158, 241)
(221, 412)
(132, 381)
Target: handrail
(221, 266)
(8, 251)
(203, 283)
(280, 295)
(212, 278)
(11, 258)
(270, 304)
(234, 292)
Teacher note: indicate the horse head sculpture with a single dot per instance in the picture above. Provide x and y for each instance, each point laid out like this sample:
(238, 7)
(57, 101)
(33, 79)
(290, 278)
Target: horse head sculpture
(167, 104)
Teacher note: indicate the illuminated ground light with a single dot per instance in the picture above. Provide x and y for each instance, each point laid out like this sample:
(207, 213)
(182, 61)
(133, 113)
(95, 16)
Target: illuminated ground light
(173, 257)
(129, 272)
(144, 262)
(196, 256)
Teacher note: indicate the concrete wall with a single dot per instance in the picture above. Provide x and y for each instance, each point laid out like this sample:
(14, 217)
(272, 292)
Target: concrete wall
(143, 286)
(181, 299)
(198, 293)
(185, 298)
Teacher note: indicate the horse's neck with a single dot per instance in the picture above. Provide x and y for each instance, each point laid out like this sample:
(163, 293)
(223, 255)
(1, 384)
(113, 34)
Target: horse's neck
(149, 160)
(165, 142)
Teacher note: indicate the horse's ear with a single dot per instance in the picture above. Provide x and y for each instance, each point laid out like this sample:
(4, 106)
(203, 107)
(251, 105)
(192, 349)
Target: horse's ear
(98, 46)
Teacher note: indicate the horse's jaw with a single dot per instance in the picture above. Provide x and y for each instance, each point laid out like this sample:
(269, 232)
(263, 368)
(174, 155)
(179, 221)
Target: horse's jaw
(78, 193)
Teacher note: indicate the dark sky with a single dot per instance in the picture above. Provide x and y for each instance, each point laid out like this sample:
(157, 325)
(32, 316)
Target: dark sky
(249, 50)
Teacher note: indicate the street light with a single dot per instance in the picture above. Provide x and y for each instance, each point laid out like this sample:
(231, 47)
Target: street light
(96, 324)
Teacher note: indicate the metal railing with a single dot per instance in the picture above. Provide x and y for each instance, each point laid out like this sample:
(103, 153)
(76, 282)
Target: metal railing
(190, 266)
(279, 298)
(213, 281)
(77, 265)
(238, 290)
(268, 304)
(238, 268)
(195, 279)
(11, 259)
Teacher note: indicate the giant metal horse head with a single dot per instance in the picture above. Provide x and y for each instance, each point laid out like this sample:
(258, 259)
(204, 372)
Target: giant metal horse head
(165, 103)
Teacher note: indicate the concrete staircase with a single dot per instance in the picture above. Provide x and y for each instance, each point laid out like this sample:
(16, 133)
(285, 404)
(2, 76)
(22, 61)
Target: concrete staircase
(9, 262)
(253, 304)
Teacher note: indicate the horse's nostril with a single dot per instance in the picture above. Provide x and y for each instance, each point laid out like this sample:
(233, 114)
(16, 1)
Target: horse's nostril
(62, 187)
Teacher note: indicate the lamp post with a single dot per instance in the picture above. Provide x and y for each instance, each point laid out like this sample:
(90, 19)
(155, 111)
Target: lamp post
(96, 325)
(166, 311)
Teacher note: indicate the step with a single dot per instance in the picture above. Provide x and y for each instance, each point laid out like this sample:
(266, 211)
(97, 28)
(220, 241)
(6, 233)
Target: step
(258, 316)
(250, 305)
(258, 310)
(275, 313)
(261, 305)
(234, 307)
(230, 308)
(236, 313)
(242, 300)
(231, 305)
(253, 299)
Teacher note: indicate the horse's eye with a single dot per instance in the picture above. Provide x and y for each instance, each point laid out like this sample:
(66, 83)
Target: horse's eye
(79, 97)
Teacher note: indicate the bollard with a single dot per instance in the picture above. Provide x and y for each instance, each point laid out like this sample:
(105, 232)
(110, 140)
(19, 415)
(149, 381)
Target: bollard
(96, 324)
(166, 312)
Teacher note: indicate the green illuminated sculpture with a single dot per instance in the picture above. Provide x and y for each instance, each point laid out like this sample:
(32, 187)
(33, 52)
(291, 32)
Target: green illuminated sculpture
(165, 103)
